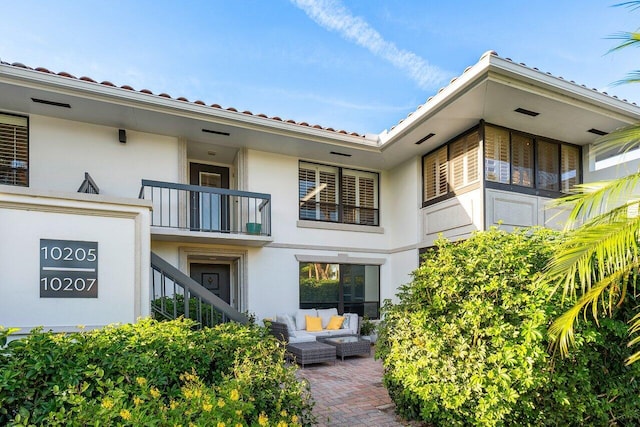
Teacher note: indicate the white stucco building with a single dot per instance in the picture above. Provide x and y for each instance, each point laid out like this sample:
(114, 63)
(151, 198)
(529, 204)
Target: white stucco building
(268, 214)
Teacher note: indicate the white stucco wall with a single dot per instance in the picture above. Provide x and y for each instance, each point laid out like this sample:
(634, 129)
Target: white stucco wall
(402, 198)
(121, 229)
(61, 151)
(455, 218)
(516, 210)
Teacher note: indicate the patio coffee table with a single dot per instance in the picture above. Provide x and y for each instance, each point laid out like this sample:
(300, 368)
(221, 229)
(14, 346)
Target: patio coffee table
(349, 346)
(312, 352)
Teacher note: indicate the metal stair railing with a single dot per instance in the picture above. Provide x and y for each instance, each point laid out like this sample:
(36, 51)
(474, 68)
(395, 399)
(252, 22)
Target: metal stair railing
(174, 294)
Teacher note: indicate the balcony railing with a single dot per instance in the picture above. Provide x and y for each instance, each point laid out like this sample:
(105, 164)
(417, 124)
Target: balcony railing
(332, 212)
(208, 209)
(174, 294)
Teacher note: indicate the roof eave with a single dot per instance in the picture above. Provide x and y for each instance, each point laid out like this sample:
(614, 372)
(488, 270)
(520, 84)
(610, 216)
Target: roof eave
(135, 99)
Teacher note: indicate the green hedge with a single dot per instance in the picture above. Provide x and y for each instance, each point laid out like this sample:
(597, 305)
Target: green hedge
(467, 343)
(151, 373)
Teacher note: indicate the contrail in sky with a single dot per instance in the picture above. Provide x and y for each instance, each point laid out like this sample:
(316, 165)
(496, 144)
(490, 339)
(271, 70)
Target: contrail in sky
(332, 15)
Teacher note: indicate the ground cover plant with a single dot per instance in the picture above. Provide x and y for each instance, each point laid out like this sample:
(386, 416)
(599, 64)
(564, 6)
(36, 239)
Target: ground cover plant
(467, 342)
(151, 373)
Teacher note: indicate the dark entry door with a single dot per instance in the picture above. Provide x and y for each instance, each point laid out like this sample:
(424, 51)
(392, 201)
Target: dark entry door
(209, 212)
(215, 277)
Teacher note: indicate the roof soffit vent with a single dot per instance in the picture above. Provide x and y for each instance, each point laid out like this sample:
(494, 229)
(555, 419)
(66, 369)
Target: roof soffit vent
(526, 112)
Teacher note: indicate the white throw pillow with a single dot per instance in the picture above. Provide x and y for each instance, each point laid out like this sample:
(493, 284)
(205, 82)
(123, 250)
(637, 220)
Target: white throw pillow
(350, 323)
(301, 322)
(325, 314)
(345, 323)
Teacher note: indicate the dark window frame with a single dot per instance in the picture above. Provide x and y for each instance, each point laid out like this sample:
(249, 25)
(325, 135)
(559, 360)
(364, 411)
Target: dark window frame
(340, 193)
(452, 192)
(341, 303)
(534, 190)
(28, 168)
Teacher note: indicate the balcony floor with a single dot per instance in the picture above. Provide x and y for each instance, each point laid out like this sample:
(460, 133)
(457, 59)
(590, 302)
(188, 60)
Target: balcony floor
(188, 236)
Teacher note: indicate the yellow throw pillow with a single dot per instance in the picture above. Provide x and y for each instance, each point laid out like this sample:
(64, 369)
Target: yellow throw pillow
(314, 324)
(335, 323)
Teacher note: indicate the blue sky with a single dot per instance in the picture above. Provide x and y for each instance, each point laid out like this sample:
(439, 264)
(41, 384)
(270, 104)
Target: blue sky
(354, 65)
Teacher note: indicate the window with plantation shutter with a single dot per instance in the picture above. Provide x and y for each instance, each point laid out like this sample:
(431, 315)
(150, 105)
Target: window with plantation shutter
(521, 160)
(497, 153)
(463, 160)
(548, 165)
(307, 186)
(352, 199)
(14, 150)
(524, 160)
(328, 195)
(570, 167)
(349, 198)
(435, 174)
(367, 201)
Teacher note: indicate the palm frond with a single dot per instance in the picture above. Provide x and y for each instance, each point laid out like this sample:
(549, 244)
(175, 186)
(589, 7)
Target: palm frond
(634, 328)
(561, 330)
(635, 4)
(632, 77)
(628, 39)
(594, 252)
(622, 140)
(597, 198)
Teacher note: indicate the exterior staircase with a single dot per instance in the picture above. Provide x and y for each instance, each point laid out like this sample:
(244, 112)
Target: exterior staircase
(174, 294)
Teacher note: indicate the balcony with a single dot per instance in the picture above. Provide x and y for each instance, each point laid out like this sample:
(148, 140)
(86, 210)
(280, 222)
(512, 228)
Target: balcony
(197, 214)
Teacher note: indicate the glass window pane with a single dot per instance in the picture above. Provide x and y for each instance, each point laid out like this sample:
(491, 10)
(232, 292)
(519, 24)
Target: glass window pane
(496, 154)
(548, 165)
(318, 192)
(351, 288)
(435, 174)
(570, 159)
(14, 150)
(359, 197)
(319, 285)
(463, 160)
(521, 160)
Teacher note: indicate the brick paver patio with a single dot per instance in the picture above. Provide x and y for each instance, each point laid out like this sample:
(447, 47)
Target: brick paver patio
(350, 393)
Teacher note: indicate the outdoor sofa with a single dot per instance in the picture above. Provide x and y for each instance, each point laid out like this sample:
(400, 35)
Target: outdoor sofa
(299, 331)
(301, 344)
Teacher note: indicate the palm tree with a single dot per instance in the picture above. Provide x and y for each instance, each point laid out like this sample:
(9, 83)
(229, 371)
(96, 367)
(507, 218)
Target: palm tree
(599, 263)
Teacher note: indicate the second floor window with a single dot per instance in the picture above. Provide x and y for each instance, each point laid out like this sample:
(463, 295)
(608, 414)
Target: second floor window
(14, 150)
(334, 194)
(452, 167)
(509, 159)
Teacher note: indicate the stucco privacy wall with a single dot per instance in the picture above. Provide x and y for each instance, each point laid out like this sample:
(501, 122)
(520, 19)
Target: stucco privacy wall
(61, 151)
(120, 227)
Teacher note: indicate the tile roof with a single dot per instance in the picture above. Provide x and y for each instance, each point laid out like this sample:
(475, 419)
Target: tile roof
(495, 54)
(290, 121)
(183, 99)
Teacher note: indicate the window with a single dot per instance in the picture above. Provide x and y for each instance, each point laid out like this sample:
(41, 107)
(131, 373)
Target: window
(548, 166)
(14, 150)
(351, 288)
(452, 167)
(330, 193)
(569, 167)
(435, 174)
(510, 159)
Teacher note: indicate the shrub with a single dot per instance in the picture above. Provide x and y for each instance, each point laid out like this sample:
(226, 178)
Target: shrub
(150, 373)
(467, 342)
